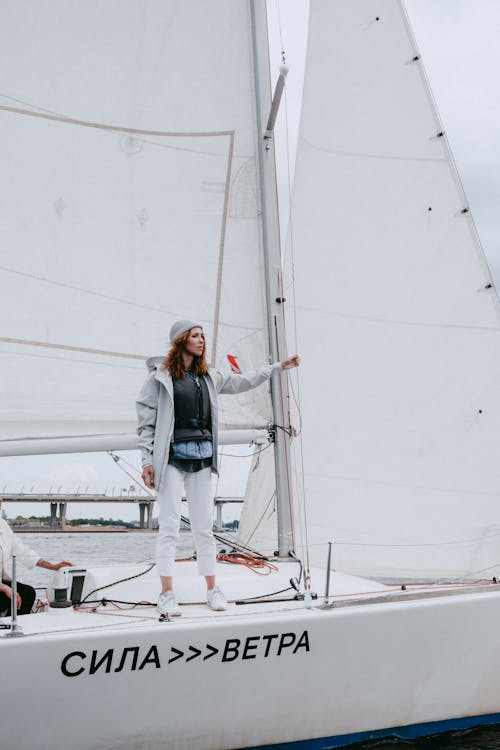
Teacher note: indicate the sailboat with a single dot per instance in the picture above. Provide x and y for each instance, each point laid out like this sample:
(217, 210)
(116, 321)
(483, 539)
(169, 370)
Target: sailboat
(139, 159)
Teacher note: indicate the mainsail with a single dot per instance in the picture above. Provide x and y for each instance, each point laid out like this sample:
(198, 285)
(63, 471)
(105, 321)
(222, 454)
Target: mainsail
(129, 200)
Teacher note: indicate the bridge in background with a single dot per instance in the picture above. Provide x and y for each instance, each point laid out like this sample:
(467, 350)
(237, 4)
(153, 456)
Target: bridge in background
(59, 502)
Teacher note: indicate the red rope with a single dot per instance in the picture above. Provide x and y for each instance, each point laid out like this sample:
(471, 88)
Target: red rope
(259, 565)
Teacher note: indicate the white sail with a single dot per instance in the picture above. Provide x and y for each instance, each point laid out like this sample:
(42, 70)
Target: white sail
(397, 318)
(129, 200)
(258, 523)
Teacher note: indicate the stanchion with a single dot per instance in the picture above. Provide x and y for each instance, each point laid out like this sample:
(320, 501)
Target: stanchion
(15, 629)
(326, 604)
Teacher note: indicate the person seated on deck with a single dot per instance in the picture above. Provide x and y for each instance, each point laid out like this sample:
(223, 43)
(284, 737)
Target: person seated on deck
(10, 545)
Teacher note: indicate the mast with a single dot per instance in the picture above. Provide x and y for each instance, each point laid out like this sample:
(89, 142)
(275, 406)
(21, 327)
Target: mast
(272, 270)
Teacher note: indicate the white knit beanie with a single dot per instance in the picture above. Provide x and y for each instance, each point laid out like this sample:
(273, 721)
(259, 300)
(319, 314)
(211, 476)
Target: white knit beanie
(181, 326)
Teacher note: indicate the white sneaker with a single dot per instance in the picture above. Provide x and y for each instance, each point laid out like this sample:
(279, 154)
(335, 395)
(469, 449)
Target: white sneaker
(216, 599)
(167, 604)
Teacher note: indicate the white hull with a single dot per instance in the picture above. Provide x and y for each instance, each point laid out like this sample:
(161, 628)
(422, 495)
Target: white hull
(304, 674)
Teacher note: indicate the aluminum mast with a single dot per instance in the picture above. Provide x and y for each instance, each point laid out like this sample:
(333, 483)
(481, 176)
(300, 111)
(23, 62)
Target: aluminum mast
(272, 266)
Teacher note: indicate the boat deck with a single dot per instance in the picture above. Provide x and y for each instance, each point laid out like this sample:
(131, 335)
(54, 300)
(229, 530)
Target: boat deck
(115, 597)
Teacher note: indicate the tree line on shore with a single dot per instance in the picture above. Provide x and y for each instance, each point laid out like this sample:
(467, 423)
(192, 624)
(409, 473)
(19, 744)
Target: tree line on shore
(46, 521)
(20, 521)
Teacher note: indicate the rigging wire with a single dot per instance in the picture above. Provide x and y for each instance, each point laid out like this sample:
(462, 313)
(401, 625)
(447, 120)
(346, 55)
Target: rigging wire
(405, 545)
(256, 451)
(264, 512)
(280, 30)
(117, 460)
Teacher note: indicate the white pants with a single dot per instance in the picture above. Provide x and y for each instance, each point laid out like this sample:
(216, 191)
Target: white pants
(198, 486)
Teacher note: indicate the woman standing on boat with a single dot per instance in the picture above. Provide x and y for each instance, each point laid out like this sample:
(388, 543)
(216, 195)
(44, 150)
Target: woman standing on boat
(177, 428)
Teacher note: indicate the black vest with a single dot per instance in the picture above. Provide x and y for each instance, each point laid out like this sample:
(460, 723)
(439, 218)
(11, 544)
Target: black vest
(191, 408)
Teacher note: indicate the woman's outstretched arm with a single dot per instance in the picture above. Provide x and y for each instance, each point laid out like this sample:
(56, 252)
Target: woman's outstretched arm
(230, 382)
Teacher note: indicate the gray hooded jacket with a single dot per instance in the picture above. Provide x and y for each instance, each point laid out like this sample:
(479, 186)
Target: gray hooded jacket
(155, 409)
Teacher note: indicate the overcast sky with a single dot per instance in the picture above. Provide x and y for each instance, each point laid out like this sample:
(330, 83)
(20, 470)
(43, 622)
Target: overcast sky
(458, 40)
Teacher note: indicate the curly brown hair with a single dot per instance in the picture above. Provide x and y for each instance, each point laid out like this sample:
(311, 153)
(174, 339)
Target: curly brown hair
(174, 363)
